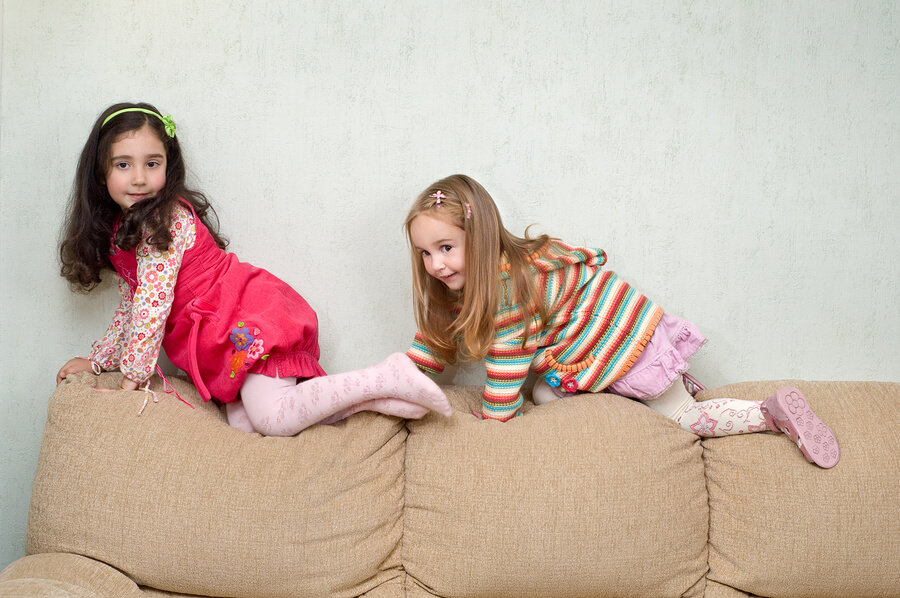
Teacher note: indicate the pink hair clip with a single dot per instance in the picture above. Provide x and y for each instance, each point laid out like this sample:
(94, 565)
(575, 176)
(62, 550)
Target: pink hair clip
(438, 196)
(468, 211)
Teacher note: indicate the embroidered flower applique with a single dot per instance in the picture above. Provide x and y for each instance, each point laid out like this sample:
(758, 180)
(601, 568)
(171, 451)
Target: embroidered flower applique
(248, 347)
(568, 384)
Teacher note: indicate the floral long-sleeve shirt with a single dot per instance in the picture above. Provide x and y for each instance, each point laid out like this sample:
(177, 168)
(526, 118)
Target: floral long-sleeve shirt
(132, 341)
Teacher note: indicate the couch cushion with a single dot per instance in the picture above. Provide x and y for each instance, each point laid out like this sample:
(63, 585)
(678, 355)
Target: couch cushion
(780, 526)
(573, 498)
(178, 500)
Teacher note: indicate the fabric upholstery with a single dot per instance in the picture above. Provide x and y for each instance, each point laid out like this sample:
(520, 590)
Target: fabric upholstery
(180, 501)
(782, 527)
(390, 589)
(57, 575)
(593, 495)
(566, 500)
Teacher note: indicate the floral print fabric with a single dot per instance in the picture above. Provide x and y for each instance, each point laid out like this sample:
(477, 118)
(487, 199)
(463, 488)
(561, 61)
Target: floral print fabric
(133, 339)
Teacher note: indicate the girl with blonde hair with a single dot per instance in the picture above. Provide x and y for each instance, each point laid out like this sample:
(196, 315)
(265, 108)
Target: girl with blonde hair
(523, 303)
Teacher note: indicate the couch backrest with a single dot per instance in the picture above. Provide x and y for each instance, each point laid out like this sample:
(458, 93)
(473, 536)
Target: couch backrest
(180, 501)
(585, 496)
(591, 495)
(780, 526)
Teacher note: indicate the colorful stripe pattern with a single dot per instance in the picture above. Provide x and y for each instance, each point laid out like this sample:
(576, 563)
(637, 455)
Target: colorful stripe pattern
(597, 327)
(422, 356)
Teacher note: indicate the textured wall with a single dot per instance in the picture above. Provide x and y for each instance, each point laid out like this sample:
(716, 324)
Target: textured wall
(738, 161)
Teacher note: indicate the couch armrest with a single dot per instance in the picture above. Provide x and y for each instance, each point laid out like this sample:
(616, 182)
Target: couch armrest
(62, 575)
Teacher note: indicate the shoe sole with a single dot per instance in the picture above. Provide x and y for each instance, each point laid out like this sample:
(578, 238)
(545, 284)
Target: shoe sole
(796, 419)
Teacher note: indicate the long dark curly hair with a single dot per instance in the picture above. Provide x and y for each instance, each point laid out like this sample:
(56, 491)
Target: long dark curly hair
(85, 237)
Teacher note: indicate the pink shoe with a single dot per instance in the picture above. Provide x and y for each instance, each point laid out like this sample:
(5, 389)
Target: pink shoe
(789, 412)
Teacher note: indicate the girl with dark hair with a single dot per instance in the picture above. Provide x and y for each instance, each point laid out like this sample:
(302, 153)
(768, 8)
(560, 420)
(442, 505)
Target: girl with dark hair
(243, 336)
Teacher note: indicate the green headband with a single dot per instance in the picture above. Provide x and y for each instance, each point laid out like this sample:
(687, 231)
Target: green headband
(166, 120)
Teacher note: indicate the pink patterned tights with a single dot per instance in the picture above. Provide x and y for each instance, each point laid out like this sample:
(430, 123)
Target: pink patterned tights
(282, 407)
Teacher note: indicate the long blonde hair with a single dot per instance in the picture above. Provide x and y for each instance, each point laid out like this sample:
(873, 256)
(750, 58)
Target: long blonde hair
(460, 324)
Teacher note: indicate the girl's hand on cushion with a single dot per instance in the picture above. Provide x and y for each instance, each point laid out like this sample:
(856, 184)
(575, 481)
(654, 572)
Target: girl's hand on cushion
(129, 384)
(73, 366)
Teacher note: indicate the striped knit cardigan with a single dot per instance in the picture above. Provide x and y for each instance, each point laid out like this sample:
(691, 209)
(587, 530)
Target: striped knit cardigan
(597, 327)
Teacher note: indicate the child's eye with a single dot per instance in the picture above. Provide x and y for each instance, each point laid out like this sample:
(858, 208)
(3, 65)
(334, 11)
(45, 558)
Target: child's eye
(446, 248)
(120, 165)
(425, 253)
(152, 164)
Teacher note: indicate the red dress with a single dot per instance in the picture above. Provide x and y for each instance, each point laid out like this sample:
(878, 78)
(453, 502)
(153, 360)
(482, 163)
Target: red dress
(229, 318)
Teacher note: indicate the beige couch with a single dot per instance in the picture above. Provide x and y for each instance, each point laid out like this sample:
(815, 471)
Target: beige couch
(586, 496)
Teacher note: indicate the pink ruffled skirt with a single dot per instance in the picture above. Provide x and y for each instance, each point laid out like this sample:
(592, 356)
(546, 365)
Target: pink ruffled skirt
(664, 360)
